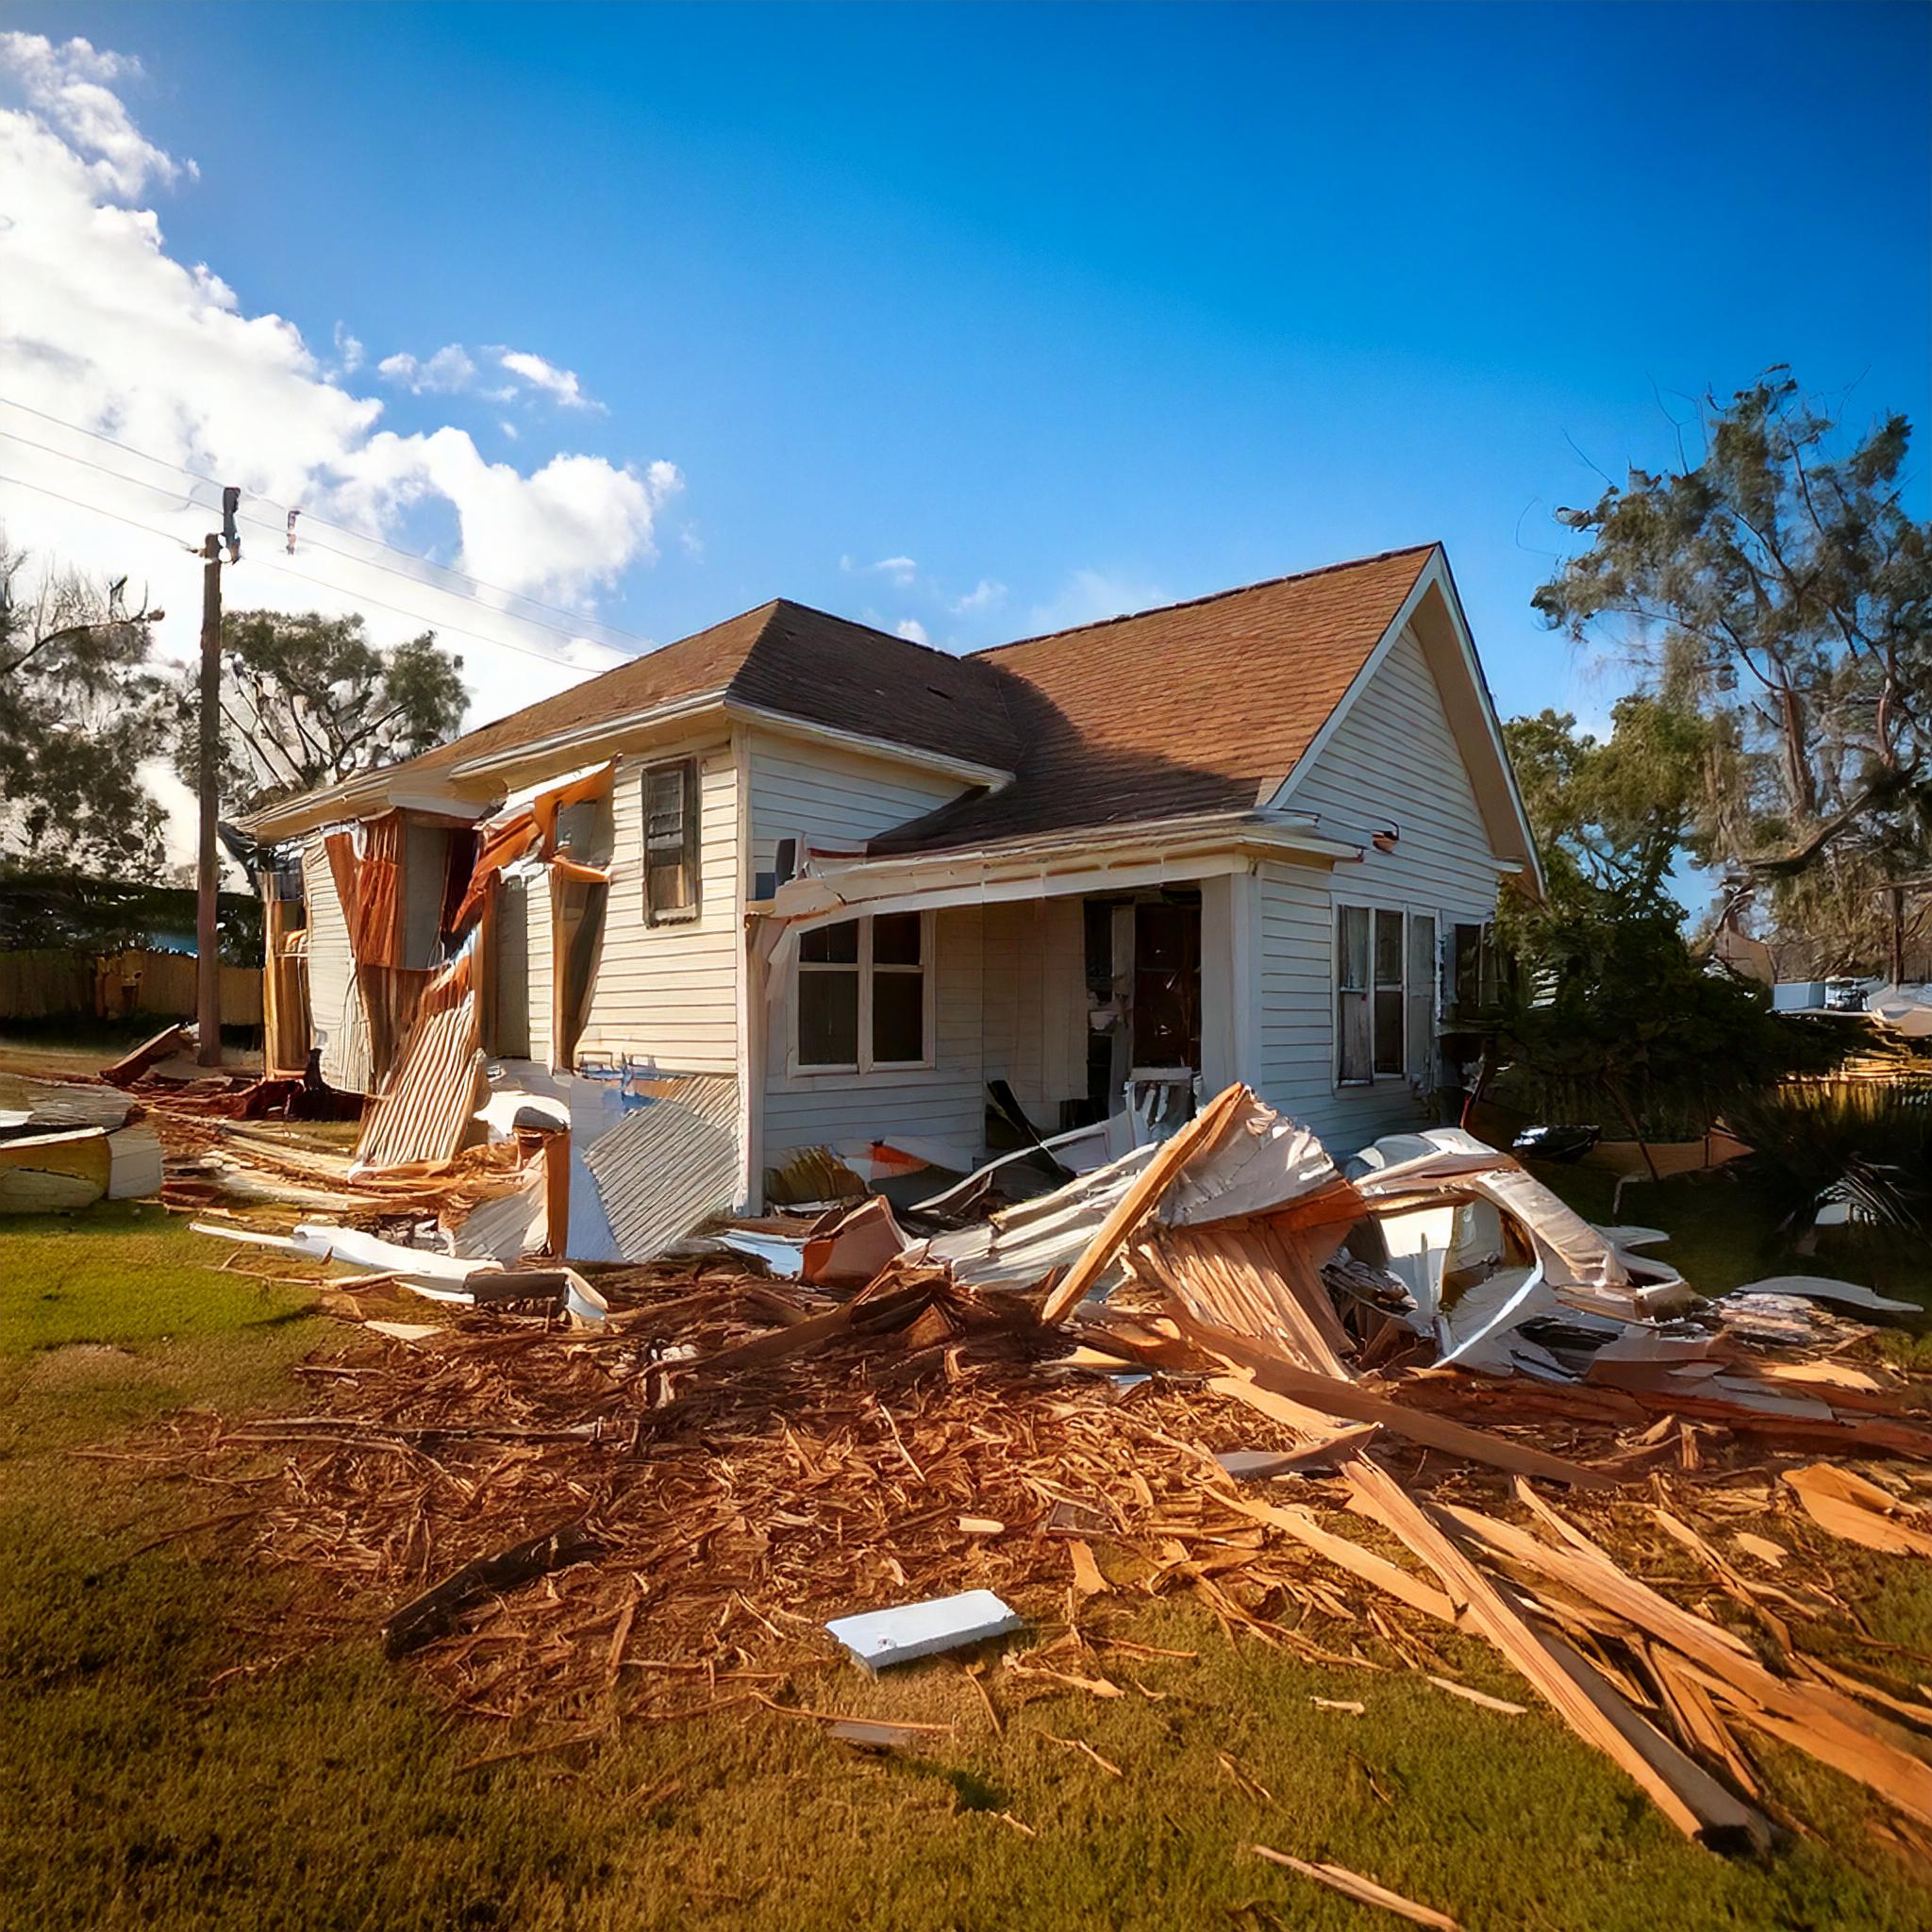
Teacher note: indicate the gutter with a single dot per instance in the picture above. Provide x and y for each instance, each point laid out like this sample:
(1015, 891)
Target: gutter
(826, 889)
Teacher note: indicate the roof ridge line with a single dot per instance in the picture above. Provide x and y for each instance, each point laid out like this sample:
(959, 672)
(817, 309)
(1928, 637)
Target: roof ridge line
(892, 637)
(1321, 569)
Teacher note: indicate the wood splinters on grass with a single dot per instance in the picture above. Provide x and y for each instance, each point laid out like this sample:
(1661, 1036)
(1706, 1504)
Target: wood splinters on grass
(1352, 1705)
(1481, 1697)
(1086, 1750)
(649, 1799)
(1365, 1890)
(974, 1676)
(1088, 1577)
(1245, 1779)
(1019, 1824)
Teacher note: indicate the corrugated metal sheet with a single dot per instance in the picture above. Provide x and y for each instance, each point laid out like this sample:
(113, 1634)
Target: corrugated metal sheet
(502, 1229)
(335, 1007)
(426, 1110)
(378, 879)
(1018, 1246)
(668, 1165)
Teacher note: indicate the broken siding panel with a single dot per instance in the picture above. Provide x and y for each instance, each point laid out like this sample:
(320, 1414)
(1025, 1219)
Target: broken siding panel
(335, 1010)
(668, 993)
(812, 791)
(1036, 1003)
(946, 1100)
(1394, 763)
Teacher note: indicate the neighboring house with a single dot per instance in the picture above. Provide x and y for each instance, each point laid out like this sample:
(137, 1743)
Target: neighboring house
(1255, 836)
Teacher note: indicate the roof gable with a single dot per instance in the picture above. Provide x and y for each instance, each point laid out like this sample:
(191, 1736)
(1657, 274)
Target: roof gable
(1433, 614)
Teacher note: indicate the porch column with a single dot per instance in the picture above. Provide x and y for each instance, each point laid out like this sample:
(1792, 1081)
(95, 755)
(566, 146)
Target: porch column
(1228, 981)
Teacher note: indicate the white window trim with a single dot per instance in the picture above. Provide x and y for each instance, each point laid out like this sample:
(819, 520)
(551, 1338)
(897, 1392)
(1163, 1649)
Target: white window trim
(796, 1068)
(1409, 912)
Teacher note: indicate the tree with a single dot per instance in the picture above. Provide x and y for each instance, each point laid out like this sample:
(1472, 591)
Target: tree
(1605, 810)
(308, 700)
(1778, 587)
(1616, 1016)
(77, 716)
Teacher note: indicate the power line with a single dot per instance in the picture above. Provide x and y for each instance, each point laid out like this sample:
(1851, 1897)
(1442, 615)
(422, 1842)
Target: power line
(342, 530)
(329, 549)
(354, 596)
(134, 523)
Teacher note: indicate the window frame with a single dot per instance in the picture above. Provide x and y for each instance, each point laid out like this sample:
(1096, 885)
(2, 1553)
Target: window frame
(866, 968)
(1373, 988)
(692, 769)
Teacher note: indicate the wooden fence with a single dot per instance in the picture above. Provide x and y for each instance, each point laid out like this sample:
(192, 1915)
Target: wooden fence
(54, 983)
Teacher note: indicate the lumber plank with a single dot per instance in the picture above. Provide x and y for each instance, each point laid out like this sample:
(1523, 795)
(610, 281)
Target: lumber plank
(1154, 1181)
(1352, 1402)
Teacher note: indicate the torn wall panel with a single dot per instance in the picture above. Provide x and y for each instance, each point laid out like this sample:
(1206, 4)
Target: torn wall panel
(335, 1007)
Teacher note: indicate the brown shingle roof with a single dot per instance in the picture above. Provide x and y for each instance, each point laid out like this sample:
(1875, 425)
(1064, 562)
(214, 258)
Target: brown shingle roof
(785, 657)
(1188, 708)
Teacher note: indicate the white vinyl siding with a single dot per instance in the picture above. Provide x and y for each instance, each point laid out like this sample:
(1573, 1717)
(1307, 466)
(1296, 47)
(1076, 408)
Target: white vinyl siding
(541, 978)
(1036, 1003)
(811, 792)
(1393, 762)
(944, 1101)
(665, 994)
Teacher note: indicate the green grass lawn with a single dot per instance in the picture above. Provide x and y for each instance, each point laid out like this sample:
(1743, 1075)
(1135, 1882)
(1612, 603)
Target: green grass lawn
(165, 1762)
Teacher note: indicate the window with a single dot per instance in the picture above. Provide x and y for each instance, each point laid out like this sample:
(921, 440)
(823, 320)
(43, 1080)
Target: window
(1475, 969)
(1422, 1000)
(1355, 1025)
(898, 990)
(671, 842)
(1385, 994)
(862, 995)
(1388, 1001)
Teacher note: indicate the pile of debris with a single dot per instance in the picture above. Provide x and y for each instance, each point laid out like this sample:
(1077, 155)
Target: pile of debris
(1332, 1407)
(64, 1146)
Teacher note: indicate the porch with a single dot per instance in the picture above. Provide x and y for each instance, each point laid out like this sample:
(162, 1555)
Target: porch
(894, 998)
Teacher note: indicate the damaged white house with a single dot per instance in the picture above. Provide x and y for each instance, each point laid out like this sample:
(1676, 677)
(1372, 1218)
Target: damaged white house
(834, 884)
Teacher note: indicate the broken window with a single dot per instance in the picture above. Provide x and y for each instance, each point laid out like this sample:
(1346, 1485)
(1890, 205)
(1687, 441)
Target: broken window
(862, 995)
(1475, 969)
(671, 842)
(1385, 994)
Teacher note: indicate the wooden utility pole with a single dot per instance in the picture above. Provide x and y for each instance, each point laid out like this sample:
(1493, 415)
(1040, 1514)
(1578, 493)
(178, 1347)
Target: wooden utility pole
(208, 944)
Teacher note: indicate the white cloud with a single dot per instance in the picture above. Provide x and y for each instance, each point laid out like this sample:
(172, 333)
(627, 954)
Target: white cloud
(68, 87)
(560, 384)
(896, 570)
(985, 596)
(102, 326)
(912, 630)
(445, 372)
(1090, 596)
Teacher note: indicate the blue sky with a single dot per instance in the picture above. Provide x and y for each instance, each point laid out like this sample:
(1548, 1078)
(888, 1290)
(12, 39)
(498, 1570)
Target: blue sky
(1104, 307)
